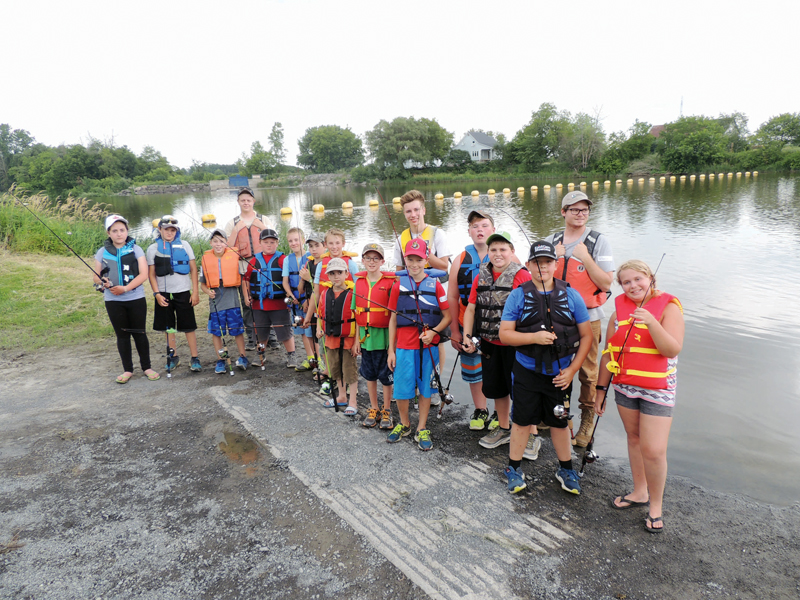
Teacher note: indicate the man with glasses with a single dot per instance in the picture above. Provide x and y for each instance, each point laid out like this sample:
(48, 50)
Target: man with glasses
(586, 263)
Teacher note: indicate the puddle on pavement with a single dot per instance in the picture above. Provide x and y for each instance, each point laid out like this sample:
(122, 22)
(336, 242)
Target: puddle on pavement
(242, 450)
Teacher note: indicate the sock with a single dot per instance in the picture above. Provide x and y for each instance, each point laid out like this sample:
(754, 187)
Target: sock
(566, 464)
(514, 464)
(505, 428)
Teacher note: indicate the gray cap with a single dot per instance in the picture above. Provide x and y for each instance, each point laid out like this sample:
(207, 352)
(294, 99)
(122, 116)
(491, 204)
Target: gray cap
(315, 236)
(336, 264)
(574, 197)
(480, 215)
(373, 247)
(220, 232)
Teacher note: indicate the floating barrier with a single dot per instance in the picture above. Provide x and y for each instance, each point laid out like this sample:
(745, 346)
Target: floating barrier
(711, 176)
(209, 218)
(641, 179)
(672, 178)
(607, 182)
(619, 181)
(534, 188)
(286, 210)
(490, 192)
(439, 196)
(755, 173)
(583, 184)
(374, 202)
(317, 208)
(570, 186)
(506, 191)
(630, 181)
(721, 175)
(595, 184)
(347, 205)
(738, 173)
(559, 186)
(702, 176)
(520, 190)
(155, 223)
(457, 195)
(475, 193)
(547, 187)
(683, 177)
(747, 173)
(662, 179)
(730, 174)
(396, 200)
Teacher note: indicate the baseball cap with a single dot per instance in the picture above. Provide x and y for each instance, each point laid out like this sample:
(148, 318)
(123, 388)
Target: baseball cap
(111, 219)
(477, 214)
(336, 264)
(502, 236)
(574, 197)
(542, 249)
(268, 233)
(373, 247)
(416, 247)
(218, 232)
(168, 221)
(315, 236)
(245, 190)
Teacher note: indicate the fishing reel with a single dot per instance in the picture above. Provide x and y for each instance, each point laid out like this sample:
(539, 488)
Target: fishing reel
(223, 353)
(561, 412)
(590, 456)
(261, 350)
(288, 301)
(297, 320)
(99, 287)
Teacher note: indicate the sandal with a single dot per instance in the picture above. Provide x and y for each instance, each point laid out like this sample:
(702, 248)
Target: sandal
(648, 524)
(630, 503)
(124, 378)
(153, 376)
(329, 403)
(350, 411)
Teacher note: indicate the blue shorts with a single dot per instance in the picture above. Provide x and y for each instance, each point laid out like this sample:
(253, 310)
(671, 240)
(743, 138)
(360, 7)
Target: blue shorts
(230, 320)
(408, 365)
(471, 367)
(301, 330)
(375, 366)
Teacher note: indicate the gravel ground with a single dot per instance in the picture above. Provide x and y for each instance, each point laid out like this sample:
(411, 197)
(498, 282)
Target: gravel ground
(227, 487)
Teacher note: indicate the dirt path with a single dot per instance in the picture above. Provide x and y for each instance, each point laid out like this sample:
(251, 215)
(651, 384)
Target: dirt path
(211, 486)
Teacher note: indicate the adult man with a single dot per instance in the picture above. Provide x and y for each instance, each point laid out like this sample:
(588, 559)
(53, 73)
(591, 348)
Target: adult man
(243, 236)
(586, 263)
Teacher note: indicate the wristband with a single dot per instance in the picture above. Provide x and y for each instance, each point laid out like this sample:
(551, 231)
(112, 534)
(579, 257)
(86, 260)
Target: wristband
(601, 387)
(156, 294)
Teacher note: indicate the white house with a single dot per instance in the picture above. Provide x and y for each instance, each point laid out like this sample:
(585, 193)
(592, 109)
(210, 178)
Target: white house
(479, 146)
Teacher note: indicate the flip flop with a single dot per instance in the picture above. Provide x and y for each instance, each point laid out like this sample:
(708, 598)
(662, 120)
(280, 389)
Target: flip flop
(350, 411)
(124, 378)
(328, 403)
(624, 498)
(652, 520)
(153, 376)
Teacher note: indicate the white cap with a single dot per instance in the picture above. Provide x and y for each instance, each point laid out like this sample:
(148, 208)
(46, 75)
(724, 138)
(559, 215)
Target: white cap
(111, 219)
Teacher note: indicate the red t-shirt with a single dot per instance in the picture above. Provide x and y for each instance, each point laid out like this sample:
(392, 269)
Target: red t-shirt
(267, 304)
(331, 341)
(408, 337)
(520, 277)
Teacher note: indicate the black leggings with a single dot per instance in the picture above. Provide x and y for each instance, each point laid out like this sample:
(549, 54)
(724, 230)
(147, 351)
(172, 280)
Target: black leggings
(130, 315)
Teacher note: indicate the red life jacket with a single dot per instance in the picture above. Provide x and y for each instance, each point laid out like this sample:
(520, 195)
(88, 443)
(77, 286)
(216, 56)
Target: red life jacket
(573, 271)
(640, 363)
(369, 298)
(326, 258)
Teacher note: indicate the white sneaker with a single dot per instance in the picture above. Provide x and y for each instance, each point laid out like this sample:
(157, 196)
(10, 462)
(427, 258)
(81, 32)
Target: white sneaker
(532, 448)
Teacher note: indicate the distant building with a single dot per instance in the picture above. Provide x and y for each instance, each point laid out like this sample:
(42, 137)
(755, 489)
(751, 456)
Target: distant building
(478, 145)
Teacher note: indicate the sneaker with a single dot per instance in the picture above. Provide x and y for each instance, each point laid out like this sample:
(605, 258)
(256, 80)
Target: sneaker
(304, 366)
(291, 360)
(436, 399)
(479, 419)
(242, 363)
(531, 451)
(196, 366)
(250, 345)
(372, 418)
(220, 368)
(496, 438)
(569, 480)
(516, 479)
(542, 427)
(325, 388)
(494, 422)
(399, 432)
(273, 345)
(423, 439)
(172, 363)
(386, 420)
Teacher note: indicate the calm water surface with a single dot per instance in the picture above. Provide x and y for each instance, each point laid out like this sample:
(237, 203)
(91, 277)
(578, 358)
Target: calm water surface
(731, 250)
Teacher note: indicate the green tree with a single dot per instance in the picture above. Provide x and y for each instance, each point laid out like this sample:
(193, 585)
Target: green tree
(539, 140)
(581, 142)
(736, 131)
(622, 148)
(406, 139)
(13, 142)
(260, 161)
(328, 148)
(276, 143)
(690, 143)
(783, 129)
(72, 169)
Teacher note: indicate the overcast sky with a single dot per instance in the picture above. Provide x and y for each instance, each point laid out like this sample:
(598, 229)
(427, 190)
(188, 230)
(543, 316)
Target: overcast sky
(202, 80)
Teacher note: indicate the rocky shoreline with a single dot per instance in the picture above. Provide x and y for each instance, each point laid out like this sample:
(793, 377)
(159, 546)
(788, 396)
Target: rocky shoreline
(144, 190)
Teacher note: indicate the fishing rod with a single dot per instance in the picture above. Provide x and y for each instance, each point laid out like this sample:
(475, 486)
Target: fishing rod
(447, 388)
(589, 456)
(508, 214)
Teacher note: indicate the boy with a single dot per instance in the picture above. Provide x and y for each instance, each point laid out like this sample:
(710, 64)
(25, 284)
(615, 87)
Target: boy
(173, 278)
(263, 292)
(221, 281)
(296, 290)
(373, 289)
(243, 232)
(421, 313)
(546, 320)
(337, 321)
(489, 292)
(316, 248)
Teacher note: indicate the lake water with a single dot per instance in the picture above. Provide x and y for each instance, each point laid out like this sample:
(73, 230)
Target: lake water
(732, 248)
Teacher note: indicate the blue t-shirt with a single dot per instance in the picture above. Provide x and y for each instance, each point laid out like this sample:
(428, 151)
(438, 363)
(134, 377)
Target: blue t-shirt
(513, 312)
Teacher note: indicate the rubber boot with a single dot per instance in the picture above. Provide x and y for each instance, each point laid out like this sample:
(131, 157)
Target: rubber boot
(585, 432)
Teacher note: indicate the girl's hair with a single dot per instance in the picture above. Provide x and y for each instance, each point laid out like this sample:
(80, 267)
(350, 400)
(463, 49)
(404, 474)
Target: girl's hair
(411, 196)
(334, 231)
(636, 265)
(299, 232)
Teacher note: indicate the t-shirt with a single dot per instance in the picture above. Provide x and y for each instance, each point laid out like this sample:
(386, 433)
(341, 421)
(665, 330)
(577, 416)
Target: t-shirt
(176, 282)
(513, 312)
(351, 266)
(520, 277)
(408, 337)
(331, 341)
(133, 294)
(440, 247)
(378, 338)
(268, 303)
(601, 255)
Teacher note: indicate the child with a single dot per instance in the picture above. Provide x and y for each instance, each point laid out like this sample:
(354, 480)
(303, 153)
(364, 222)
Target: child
(173, 277)
(263, 291)
(489, 291)
(220, 281)
(338, 326)
(546, 320)
(296, 291)
(373, 288)
(421, 314)
(316, 248)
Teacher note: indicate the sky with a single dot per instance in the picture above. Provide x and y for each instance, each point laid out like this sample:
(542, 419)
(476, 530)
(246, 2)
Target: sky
(203, 80)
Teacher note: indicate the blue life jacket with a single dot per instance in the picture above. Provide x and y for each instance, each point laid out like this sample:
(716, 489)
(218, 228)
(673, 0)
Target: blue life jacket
(470, 263)
(267, 280)
(171, 257)
(417, 301)
(298, 290)
(120, 265)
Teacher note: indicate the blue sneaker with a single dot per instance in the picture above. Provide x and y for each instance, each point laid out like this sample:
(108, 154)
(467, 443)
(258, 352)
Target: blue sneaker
(569, 481)
(242, 363)
(423, 439)
(516, 479)
(220, 368)
(196, 367)
(172, 363)
(398, 433)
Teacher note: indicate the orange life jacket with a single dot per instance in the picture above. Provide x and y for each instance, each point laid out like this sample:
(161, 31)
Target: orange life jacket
(326, 258)
(640, 363)
(246, 241)
(369, 298)
(573, 271)
(229, 277)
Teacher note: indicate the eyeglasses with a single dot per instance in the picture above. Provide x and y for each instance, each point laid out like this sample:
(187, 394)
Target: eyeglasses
(371, 258)
(579, 211)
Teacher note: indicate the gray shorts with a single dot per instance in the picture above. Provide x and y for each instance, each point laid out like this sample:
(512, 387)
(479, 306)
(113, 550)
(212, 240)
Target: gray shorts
(643, 406)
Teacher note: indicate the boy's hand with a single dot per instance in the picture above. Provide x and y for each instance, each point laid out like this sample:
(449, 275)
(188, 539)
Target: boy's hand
(391, 360)
(304, 274)
(469, 347)
(455, 339)
(544, 338)
(247, 300)
(355, 349)
(320, 333)
(162, 301)
(563, 379)
(212, 293)
(600, 402)
(427, 336)
(195, 299)
(305, 306)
